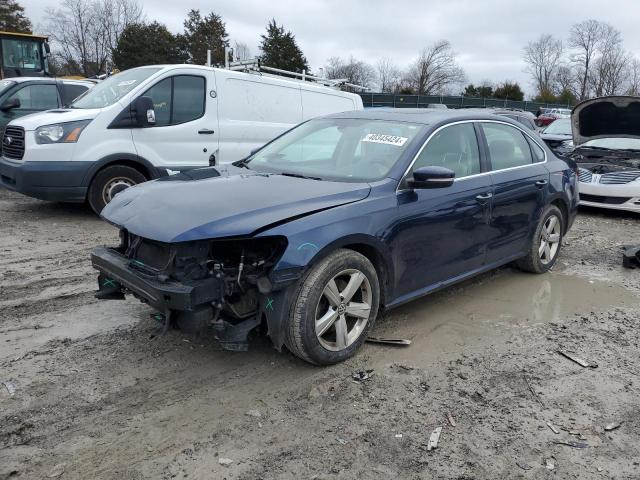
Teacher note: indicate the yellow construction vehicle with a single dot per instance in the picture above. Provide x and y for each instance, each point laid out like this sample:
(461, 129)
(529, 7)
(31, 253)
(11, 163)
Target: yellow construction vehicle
(23, 55)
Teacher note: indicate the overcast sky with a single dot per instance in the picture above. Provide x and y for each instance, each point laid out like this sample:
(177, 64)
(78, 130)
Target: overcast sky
(487, 34)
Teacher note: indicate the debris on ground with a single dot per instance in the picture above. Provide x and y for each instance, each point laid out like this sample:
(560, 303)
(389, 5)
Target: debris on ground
(579, 361)
(433, 439)
(253, 413)
(389, 341)
(10, 386)
(550, 463)
(524, 466)
(553, 428)
(408, 368)
(451, 420)
(631, 256)
(225, 461)
(572, 443)
(362, 375)
(56, 471)
(612, 426)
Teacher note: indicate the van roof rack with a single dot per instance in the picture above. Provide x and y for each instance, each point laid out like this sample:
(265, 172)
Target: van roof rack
(255, 65)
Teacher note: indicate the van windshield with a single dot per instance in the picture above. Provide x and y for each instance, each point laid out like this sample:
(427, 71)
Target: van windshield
(113, 89)
(338, 149)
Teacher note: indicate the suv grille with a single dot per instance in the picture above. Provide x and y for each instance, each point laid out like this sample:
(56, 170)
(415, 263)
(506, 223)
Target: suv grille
(13, 142)
(619, 178)
(584, 175)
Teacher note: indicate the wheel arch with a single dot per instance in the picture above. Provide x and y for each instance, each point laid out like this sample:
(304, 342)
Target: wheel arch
(564, 209)
(127, 159)
(371, 248)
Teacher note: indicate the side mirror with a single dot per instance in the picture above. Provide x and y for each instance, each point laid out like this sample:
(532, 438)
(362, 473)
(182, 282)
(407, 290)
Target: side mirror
(47, 49)
(144, 113)
(431, 177)
(10, 104)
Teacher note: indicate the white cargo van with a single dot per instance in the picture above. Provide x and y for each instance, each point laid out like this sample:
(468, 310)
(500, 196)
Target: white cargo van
(152, 121)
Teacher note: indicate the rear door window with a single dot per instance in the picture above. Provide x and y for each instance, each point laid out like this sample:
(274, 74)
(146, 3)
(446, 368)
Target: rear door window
(507, 145)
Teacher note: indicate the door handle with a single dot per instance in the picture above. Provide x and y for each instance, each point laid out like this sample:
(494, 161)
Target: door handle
(541, 183)
(482, 198)
(206, 131)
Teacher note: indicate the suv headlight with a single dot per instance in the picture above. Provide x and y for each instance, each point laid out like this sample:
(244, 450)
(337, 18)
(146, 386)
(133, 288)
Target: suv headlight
(61, 132)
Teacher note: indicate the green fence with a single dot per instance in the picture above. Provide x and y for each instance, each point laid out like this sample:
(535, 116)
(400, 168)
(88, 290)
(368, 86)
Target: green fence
(422, 101)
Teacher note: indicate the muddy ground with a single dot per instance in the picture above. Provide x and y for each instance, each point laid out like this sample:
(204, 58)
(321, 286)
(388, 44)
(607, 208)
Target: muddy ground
(99, 395)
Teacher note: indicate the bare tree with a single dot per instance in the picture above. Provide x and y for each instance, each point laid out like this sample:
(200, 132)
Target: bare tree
(565, 80)
(435, 70)
(389, 76)
(633, 87)
(610, 68)
(115, 16)
(241, 51)
(85, 32)
(352, 70)
(543, 58)
(587, 38)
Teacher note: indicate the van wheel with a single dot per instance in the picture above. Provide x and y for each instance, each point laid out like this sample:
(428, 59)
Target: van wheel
(546, 243)
(334, 309)
(110, 181)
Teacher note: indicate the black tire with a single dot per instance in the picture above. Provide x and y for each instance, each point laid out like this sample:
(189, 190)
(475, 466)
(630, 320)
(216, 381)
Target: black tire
(301, 338)
(103, 188)
(533, 262)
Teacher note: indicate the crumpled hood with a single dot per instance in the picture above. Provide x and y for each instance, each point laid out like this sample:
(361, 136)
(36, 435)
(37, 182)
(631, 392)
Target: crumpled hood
(214, 203)
(606, 117)
(58, 115)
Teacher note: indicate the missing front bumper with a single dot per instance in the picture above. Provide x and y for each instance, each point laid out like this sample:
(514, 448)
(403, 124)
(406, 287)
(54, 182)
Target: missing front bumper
(162, 295)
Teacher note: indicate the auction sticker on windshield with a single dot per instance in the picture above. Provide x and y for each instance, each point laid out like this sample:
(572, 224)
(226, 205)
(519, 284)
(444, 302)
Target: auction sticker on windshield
(386, 139)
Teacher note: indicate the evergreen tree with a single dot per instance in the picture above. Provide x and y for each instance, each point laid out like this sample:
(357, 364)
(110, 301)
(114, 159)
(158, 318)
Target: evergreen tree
(12, 18)
(202, 34)
(470, 91)
(280, 50)
(147, 44)
(509, 91)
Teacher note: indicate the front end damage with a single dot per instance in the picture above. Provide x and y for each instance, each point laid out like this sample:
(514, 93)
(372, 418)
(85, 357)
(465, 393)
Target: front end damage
(224, 284)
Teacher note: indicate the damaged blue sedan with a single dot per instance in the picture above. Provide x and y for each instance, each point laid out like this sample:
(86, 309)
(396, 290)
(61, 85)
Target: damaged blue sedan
(314, 234)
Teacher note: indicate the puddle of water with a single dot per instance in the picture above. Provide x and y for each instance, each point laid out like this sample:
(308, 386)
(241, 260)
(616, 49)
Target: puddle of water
(489, 310)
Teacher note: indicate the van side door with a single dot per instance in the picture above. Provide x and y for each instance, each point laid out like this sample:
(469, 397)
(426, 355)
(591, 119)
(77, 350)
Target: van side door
(185, 134)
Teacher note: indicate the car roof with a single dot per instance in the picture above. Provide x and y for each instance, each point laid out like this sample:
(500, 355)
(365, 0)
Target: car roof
(49, 79)
(425, 116)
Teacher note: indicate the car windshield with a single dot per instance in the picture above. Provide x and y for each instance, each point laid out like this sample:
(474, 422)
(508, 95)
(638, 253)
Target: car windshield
(113, 89)
(348, 150)
(562, 126)
(614, 143)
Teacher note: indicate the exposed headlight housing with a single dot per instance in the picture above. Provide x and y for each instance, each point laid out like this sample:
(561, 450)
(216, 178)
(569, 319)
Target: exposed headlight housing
(60, 132)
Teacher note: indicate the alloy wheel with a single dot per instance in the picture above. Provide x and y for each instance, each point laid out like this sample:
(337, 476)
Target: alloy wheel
(343, 310)
(549, 239)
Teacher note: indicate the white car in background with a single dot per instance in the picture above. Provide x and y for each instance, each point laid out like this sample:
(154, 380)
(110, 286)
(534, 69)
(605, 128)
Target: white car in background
(606, 137)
